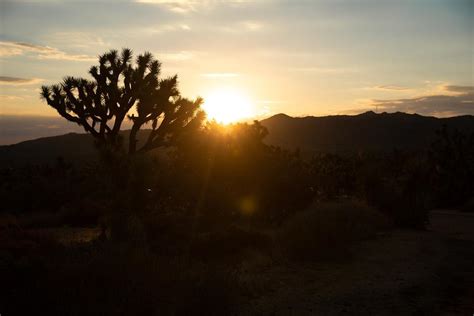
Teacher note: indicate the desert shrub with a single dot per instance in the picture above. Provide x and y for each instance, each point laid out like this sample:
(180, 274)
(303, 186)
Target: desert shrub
(399, 185)
(328, 230)
(178, 234)
(404, 207)
(229, 242)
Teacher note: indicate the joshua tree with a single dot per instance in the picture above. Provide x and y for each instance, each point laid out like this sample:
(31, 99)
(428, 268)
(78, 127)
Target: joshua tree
(122, 89)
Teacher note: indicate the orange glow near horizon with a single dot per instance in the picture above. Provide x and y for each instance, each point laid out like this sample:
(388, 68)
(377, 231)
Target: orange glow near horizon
(228, 105)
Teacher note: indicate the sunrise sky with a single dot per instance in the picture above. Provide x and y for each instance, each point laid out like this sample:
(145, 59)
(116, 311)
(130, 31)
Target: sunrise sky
(315, 57)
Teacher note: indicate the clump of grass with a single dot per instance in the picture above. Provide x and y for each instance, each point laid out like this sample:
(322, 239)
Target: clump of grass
(328, 229)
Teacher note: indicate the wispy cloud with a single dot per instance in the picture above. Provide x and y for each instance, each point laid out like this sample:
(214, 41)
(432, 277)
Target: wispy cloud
(8, 49)
(390, 88)
(177, 6)
(16, 81)
(6, 97)
(81, 40)
(437, 105)
(164, 28)
(252, 25)
(459, 89)
(187, 6)
(241, 26)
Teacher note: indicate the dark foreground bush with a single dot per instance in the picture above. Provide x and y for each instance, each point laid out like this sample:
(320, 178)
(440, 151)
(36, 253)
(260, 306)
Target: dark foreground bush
(328, 230)
(403, 203)
(230, 242)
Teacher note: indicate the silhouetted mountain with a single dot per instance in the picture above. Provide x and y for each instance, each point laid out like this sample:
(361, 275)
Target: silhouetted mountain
(368, 131)
(70, 147)
(337, 134)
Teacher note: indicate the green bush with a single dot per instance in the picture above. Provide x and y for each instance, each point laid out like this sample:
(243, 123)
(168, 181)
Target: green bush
(328, 230)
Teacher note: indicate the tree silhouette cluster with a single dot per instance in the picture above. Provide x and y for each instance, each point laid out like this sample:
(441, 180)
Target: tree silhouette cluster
(120, 89)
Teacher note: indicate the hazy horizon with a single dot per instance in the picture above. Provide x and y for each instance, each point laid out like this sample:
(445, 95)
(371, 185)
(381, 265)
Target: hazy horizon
(18, 128)
(410, 56)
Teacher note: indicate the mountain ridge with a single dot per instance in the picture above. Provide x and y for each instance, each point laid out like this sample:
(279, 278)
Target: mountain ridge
(368, 131)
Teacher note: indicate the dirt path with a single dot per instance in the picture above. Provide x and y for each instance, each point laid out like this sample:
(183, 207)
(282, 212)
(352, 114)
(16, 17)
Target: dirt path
(401, 273)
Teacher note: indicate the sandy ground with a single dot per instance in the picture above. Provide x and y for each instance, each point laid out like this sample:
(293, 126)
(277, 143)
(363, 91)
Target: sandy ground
(401, 273)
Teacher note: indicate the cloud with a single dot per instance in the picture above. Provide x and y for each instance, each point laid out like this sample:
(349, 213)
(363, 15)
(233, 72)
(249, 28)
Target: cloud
(80, 40)
(436, 105)
(239, 27)
(165, 28)
(459, 89)
(8, 49)
(6, 97)
(15, 81)
(252, 25)
(186, 6)
(390, 88)
(177, 6)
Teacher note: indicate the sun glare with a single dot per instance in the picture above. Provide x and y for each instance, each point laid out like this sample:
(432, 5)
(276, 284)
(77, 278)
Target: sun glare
(228, 106)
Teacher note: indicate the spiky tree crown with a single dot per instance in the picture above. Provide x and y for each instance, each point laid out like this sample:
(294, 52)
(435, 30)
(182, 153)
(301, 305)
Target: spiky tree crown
(119, 85)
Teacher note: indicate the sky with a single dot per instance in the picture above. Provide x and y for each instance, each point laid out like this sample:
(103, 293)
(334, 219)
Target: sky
(319, 57)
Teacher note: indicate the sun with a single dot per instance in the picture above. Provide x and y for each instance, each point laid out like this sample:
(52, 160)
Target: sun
(228, 105)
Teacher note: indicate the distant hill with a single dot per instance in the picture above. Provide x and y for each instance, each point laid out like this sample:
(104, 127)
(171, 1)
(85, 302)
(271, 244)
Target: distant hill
(337, 134)
(71, 147)
(18, 128)
(368, 131)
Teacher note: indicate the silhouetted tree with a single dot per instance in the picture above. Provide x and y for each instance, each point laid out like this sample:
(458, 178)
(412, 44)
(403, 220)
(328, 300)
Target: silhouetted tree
(122, 89)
